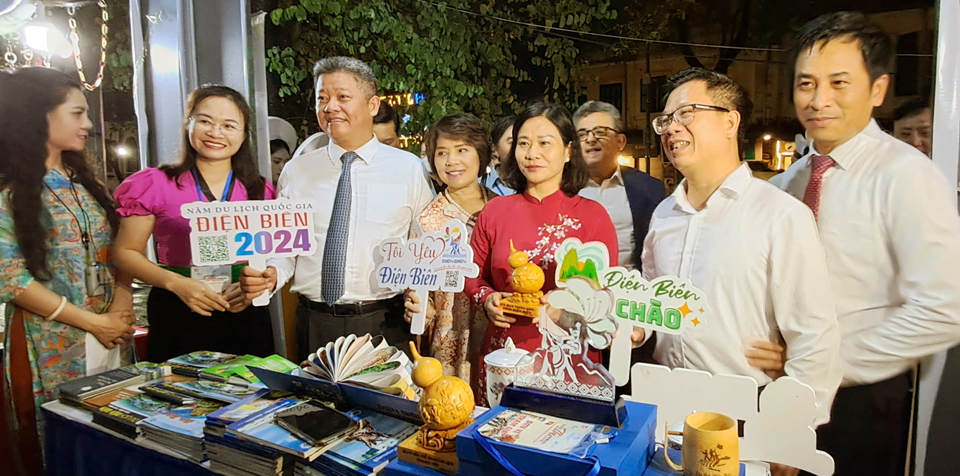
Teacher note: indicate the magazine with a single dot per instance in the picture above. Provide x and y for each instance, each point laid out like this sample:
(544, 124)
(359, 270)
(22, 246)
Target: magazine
(261, 429)
(375, 444)
(539, 431)
(363, 360)
(191, 364)
(205, 389)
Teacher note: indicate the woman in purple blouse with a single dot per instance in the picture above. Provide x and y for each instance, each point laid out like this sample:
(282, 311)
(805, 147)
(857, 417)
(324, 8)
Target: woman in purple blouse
(217, 163)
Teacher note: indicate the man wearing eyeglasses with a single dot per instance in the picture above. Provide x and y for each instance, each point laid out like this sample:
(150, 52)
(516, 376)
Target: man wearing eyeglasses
(750, 247)
(629, 195)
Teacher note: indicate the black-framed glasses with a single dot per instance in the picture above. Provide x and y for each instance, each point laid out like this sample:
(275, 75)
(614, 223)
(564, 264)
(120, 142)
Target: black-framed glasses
(599, 133)
(682, 116)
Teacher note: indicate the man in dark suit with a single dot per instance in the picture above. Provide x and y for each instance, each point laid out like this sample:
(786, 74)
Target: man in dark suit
(629, 195)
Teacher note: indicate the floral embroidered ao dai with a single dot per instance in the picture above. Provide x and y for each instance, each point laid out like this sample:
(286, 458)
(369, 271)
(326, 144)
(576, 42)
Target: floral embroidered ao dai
(454, 335)
(537, 228)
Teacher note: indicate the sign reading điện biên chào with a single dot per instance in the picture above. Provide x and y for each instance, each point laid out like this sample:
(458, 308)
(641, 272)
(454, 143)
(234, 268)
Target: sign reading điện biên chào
(667, 304)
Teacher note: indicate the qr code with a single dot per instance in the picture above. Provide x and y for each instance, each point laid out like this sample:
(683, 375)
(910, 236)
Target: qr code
(451, 279)
(213, 248)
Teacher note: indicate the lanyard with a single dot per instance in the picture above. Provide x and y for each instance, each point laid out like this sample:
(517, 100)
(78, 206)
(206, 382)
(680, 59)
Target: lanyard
(203, 191)
(499, 458)
(85, 236)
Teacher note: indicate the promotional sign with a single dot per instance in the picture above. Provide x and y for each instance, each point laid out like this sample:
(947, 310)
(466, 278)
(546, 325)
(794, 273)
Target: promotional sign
(223, 233)
(436, 261)
(667, 304)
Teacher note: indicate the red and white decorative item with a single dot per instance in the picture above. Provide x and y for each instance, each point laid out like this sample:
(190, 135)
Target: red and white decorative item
(501, 370)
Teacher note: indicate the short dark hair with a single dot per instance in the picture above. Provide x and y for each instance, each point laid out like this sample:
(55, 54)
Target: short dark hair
(725, 92)
(500, 127)
(910, 108)
(875, 45)
(465, 127)
(387, 114)
(278, 144)
(575, 174)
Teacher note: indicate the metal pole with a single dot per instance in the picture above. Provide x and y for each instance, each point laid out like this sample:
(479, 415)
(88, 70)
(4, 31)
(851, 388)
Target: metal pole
(946, 152)
(103, 137)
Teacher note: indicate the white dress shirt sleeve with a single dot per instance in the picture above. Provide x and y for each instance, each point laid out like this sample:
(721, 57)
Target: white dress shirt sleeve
(284, 266)
(648, 270)
(424, 196)
(804, 308)
(924, 233)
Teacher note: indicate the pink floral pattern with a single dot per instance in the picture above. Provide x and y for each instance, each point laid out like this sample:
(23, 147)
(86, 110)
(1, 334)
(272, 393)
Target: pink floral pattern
(550, 237)
(454, 335)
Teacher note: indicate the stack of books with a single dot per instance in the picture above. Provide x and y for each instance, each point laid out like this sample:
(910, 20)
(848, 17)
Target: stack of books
(76, 392)
(213, 407)
(260, 429)
(181, 428)
(124, 416)
(235, 457)
(226, 368)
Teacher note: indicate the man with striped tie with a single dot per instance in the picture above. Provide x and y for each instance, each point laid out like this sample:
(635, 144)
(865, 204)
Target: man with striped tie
(890, 233)
(365, 192)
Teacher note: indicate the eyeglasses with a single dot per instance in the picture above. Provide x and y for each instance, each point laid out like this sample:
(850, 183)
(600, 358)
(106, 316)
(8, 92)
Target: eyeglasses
(599, 133)
(682, 116)
(226, 128)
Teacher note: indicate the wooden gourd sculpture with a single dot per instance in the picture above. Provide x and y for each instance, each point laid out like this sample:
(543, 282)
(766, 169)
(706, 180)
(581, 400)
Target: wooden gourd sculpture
(445, 406)
(526, 281)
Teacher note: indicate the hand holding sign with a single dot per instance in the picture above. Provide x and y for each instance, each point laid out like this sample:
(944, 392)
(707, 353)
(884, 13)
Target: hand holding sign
(230, 232)
(437, 261)
(667, 304)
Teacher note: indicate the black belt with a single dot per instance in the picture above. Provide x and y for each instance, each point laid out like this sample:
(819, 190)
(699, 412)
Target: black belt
(353, 308)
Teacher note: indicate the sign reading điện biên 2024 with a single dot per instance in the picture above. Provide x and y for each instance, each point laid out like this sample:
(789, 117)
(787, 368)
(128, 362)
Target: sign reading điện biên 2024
(228, 232)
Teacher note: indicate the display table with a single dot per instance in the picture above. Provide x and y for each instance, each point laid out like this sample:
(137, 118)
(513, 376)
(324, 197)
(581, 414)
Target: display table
(76, 446)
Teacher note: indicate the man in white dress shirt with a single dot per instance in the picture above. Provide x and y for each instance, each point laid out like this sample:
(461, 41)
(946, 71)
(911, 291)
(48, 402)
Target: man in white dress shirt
(376, 197)
(751, 248)
(890, 234)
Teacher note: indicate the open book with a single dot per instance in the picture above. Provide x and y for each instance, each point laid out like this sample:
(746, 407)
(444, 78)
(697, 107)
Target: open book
(367, 361)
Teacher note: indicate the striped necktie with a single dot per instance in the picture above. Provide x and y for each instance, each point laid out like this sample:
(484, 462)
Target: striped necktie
(335, 247)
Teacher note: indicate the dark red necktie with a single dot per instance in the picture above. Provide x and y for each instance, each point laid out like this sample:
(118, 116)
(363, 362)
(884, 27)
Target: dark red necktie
(819, 165)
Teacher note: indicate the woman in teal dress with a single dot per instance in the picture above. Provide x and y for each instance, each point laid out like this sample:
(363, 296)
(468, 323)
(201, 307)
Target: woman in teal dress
(56, 226)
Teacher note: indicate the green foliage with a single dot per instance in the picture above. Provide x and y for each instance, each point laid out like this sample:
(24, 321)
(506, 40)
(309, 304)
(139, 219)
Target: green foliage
(459, 61)
(119, 63)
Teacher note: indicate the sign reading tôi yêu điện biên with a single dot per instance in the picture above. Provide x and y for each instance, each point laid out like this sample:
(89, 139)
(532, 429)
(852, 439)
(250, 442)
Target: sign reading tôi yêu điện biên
(253, 231)
(435, 261)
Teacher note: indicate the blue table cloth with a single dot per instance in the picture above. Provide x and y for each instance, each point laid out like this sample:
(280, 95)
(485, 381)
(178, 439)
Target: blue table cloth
(77, 447)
